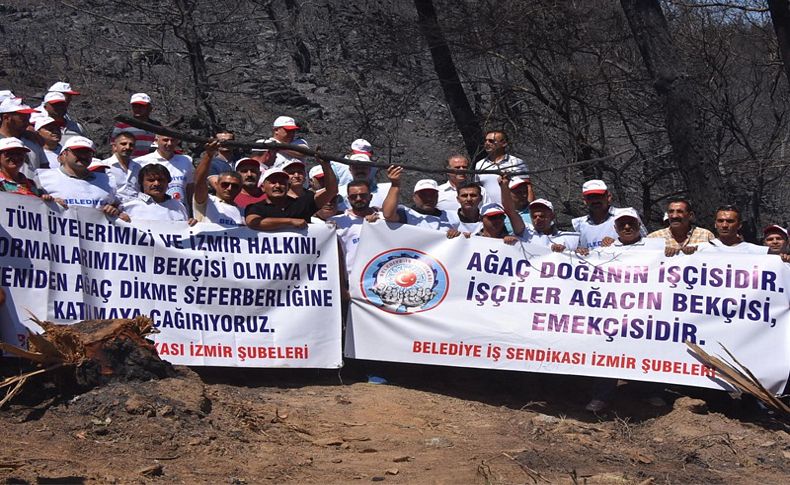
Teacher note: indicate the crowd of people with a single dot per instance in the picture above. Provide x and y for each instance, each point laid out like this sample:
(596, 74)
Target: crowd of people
(45, 152)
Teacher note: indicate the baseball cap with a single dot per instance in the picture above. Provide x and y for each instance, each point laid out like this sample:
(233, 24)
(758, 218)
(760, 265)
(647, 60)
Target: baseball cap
(516, 181)
(316, 172)
(292, 161)
(272, 171)
(62, 87)
(140, 98)
(78, 142)
(542, 202)
(285, 122)
(12, 143)
(360, 157)
(775, 228)
(245, 161)
(492, 209)
(55, 97)
(5, 94)
(361, 146)
(426, 184)
(263, 140)
(627, 212)
(42, 121)
(594, 187)
(15, 105)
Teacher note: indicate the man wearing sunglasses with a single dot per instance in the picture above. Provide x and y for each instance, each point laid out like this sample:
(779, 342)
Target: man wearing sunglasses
(220, 208)
(496, 145)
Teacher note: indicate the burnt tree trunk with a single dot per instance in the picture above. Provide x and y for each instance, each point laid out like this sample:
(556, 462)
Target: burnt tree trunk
(780, 17)
(684, 123)
(465, 119)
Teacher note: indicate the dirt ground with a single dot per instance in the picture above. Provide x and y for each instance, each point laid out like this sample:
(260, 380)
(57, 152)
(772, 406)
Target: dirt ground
(429, 425)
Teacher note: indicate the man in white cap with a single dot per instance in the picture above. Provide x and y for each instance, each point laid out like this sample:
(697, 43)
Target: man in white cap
(182, 172)
(141, 110)
(283, 211)
(597, 226)
(448, 191)
(220, 208)
(121, 167)
(496, 147)
(62, 92)
(361, 168)
(542, 231)
(251, 192)
(74, 183)
(14, 122)
(423, 212)
(521, 194)
(13, 155)
(50, 134)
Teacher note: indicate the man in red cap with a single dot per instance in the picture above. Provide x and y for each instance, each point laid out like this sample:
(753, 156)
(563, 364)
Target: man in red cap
(14, 122)
(597, 227)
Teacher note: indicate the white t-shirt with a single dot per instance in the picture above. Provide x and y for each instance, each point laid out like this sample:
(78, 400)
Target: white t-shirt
(52, 156)
(217, 211)
(490, 182)
(348, 227)
(414, 218)
(95, 191)
(715, 245)
(144, 208)
(448, 198)
(566, 238)
(181, 171)
(126, 182)
(379, 193)
(591, 235)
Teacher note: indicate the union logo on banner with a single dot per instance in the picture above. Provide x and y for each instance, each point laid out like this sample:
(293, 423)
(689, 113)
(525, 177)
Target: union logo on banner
(404, 281)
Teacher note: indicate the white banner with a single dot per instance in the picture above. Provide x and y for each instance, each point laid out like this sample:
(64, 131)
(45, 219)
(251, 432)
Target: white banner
(219, 296)
(626, 313)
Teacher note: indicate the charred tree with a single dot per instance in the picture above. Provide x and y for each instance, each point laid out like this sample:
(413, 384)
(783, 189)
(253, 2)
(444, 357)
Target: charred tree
(443, 64)
(780, 17)
(691, 150)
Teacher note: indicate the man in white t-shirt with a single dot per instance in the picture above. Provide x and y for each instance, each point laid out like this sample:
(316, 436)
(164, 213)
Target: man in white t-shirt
(220, 208)
(152, 202)
(448, 191)
(349, 223)
(496, 145)
(122, 169)
(361, 168)
(74, 183)
(423, 212)
(182, 173)
(728, 238)
(50, 134)
(597, 227)
(542, 231)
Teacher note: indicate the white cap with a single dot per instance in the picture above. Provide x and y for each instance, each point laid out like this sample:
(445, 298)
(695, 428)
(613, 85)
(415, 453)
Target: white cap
(140, 98)
(5, 94)
(593, 187)
(426, 184)
(492, 209)
(316, 172)
(362, 146)
(78, 142)
(360, 157)
(263, 140)
(55, 97)
(15, 105)
(516, 181)
(245, 160)
(285, 122)
(627, 212)
(42, 121)
(12, 143)
(270, 172)
(292, 161)
(771, 228)
(62, 87)
(542, 202)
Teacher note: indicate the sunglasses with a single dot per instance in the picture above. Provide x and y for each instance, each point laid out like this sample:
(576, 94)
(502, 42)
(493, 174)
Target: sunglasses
(358, 196)
(229, 185)
(491, 140)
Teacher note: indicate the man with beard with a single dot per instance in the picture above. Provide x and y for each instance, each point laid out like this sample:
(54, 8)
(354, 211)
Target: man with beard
(349, 223)
(361, 169)
(219, 208)
(283, 211)
(728, 238)
(682, 236)
(120, 166)
(251, 192)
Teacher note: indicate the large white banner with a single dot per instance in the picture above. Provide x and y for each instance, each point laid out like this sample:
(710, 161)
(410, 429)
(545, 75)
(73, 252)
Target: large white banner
(626, 313)
(219, 296)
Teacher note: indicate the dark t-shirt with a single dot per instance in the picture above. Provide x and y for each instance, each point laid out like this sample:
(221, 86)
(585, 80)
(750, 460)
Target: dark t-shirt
(297, 208)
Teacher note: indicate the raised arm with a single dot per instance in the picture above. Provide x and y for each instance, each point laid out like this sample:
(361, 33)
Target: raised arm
(510, 208)
(202, 170)
(390, 205)
(330, 183)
